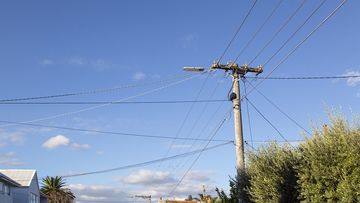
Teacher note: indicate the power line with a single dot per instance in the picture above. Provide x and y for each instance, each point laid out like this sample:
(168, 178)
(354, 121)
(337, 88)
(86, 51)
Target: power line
(250, 145)
(145, 163)
(248, 113)
(296, 31)
(110, 102)
(267, 141)
(308, 36)
(237, 31)
(278, 108)
(203, 109)
(107, 132)
(278, 31)
(87, 92)
(211, 118)
(268, 121)
(307, 77)
(258, 30)
(103, 105)
(141, 163)
(302, 42)
(187, 114)
(197, 158)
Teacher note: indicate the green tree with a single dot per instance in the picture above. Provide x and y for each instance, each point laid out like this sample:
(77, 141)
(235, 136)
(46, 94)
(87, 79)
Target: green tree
(329, 170)
(54, 189)
(238, 188)
(222, 197)
(273, 176)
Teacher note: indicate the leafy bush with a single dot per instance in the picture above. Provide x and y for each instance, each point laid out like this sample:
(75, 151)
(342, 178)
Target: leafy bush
(324, 168)
(329, 169)
(272, 174)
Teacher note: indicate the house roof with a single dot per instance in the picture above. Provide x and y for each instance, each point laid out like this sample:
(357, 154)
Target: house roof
(23, 177)
(8, 180)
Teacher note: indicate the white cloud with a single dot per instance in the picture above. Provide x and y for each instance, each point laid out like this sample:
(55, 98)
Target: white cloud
(11, 137)
(201, 176)
(78, 61)
(80, 146)
(100, 65)
(47, 62)
(160, 183)
(155, 76)
(56, 141)
(98, 193)
(358, 95)
(61, 140)
(95, 64)
(9, 159)
(352, 81)
(139, 76)
(149, 177)
(147, 182)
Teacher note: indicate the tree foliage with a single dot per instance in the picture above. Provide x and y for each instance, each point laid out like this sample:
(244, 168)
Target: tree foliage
(273, 174)
(54, 189)
(238, 190)
(329, 170)
(324, 168)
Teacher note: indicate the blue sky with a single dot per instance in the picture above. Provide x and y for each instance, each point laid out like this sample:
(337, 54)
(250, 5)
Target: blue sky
(53, 47)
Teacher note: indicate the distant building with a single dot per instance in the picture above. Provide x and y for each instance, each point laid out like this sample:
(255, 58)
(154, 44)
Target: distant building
(27, 189)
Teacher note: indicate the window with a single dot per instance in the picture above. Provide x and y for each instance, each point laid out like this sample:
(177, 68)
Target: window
(7, 189)
(1, 188)
(33, 198)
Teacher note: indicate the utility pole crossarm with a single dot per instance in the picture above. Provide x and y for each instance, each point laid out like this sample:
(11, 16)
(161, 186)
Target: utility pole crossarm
(241, 70)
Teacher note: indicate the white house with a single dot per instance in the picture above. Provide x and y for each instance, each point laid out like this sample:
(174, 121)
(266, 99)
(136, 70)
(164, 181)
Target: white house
(27, 190)
(7, 186)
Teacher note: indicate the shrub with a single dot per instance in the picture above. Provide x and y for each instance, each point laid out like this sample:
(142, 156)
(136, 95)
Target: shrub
(272, 174)
(329, 170)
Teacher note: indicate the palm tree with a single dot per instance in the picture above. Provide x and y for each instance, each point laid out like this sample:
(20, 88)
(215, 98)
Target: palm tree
(54, 189)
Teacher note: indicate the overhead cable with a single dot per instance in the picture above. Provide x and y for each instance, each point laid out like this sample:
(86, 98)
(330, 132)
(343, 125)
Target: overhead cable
(107, 132)
(197, 119)
(177, 134)
(258, 30)
(306, 77)
(91, 91)
(144, 163)
(279, 109)
(268, 121)
(110, 102)
(237, 31)
(296, 31)
(103, 105)
(248, 113)
(278, 31)
(197, 158)
(141, 164)
(302, 42)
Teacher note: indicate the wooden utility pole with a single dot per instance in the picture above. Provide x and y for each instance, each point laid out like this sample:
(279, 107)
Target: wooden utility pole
(237, 72)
